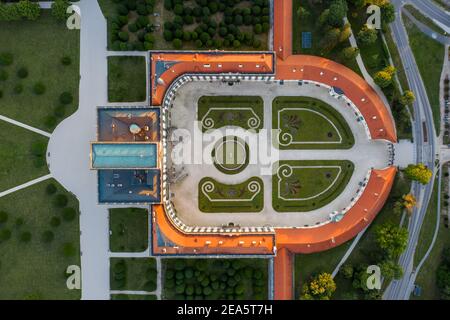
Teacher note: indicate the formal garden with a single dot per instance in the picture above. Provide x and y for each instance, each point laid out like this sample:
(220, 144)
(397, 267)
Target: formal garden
(308, 123)
(194, 24)
(127, 79)
(215, 112)
(301, 186)
(133, 274)
(128, 230)
(247, 196)
(212, 279)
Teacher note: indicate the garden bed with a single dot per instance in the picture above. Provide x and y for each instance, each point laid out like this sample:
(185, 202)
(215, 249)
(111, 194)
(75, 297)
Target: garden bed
(127, 79)
(128, 230)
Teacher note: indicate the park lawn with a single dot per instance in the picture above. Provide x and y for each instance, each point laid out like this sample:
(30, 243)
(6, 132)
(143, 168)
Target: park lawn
(308, 265)
(128, 230)
(137, 274)
(18, 163)
(429, 56)
(39, 46)
(428, 226)
(229, 113)
(424, 19)
(310, 24)
(127, 80)
(225, 192)
(36, 270)
(365, 251)
(306, 183)
(311, 128)
(133, 297)
(215, 279)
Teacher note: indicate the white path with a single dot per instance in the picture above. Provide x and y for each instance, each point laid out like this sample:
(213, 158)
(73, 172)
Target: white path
(69, 153)
(25, 185)
(25, 126)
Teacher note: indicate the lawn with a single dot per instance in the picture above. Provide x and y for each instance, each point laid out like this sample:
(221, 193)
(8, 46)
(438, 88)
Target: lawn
(46, 41)
(159, 19)
(365, 253)
(128, 230)
(215, 197)
(311, 186)
(34, 268)
(309, 265)
(133, 297)
(308, 123)
(127, 80)
(138, 274)
(213, 279)
(20, 162)
(429, 56)
(215, 112)
(310, 24)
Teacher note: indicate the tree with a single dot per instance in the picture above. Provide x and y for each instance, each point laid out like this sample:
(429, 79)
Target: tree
(345, 33)
(387, 13)
(29, 10)
(391, 270)
(3, 217)
(391, 239)
(383, 79)
(331, 39)
(337, 13)
(177, 44)
(367, 35)
(409, 202)
(25, 236)
(303, 13)
(66, 98)
(347, 271)
(407, 98)
(350, 53)
(320, 287)
(59, 9)
(419, 173)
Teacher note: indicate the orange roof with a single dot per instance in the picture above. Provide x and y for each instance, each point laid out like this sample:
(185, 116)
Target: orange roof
(282, 37)
(283, 273)
(308, 240)
(176, 64)
(182, 243)
(377, 116)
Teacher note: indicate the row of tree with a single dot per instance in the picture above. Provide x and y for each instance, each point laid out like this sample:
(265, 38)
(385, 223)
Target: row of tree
(26, 9)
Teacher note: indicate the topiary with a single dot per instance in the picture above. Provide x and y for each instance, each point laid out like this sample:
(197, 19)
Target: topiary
(66, 98)
(50, 122)
(19, 222)
(55, 222)
(48, 236)
(60, 200)
(5, 234)
(3, 217)
(38, 148)
(22, 73)
(66, 60)
(59, 111)
(25, 236)
(69, 214)
(39, 88)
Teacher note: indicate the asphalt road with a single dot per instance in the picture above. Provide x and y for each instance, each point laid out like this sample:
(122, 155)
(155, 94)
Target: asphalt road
(426, 151)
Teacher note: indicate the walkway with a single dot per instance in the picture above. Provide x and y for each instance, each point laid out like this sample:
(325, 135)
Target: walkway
(25, 126)
(25, 185)
(69, 153)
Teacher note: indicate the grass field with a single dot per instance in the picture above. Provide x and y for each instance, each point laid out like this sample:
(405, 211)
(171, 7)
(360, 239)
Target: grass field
(216, 112)
(46, 41)
(213, 279)
(310, 124)
(429, 56)
(128, 230)
(309, 265)
(307, 189)
(127, 80)
(247, 198)
(424, 19)
(365, 253)
(138, 274)
(36, 269)
(18, 163)
(309, 24)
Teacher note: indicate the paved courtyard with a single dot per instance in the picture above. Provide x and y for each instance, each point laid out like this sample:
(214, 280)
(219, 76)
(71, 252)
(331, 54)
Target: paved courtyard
(365, 154)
